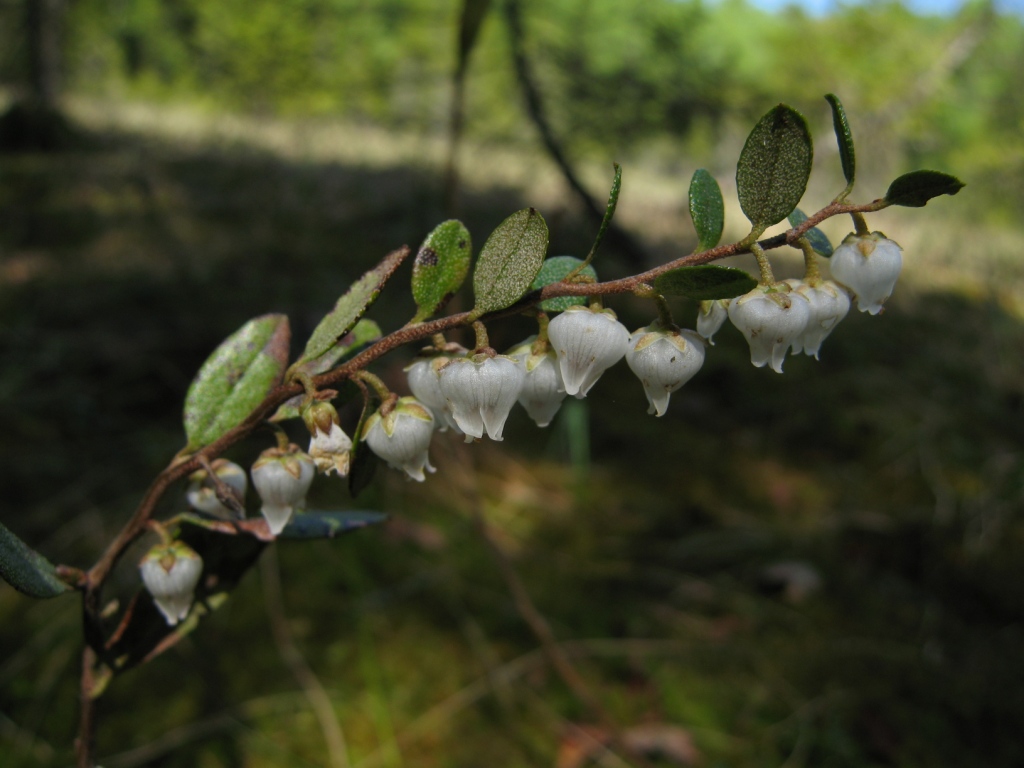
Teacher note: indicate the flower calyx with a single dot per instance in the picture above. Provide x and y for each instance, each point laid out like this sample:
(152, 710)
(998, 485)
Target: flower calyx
(282, 477)
(401, 436)
(170, 572)
(329, 446)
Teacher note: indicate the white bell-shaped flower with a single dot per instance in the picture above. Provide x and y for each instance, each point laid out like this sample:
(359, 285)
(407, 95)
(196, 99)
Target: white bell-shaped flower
(770, 320)
(868, 265)
(282, 478)
(480, 392)
(170, 573)
(425, 384)
(711, 317)
(829, 304)
(664, 360)
(588, 342)
(329, 446)
(201, 494)
(543, 390)
(402, 437)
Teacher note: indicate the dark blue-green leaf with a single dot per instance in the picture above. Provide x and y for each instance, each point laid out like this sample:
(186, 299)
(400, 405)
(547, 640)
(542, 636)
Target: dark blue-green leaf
(26, 570)
(554, 270)
(844, 136)
(819, 240)
(315, 524)
(705, 282)
(509, 261)
(916, 188)
(236, 378)
(707, 209)
(774, 167)
(441, 266)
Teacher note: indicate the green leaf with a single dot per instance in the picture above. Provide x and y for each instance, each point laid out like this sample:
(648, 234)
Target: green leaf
(554, 270)
(844, 136)
(774, 167)
(509, 261)
(916, 188)
(351, 306)
(818, 239)
(441, 266)
(707, 209)
(26, 570)
(365, 332)
(705, 282)
(315, 524)
(609, 211)
(236, 378)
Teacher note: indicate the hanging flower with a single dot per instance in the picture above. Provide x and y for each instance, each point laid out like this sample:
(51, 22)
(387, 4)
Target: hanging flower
(282, 477)
(829, 304)
(329, 446)
(480, 392)
(425, 384)
(588, 342)
(664, 360)
(201, 494)
(710, 318)
(868, 265)
(170, 573)
(543, 390)
(402, 436)
(770, 319)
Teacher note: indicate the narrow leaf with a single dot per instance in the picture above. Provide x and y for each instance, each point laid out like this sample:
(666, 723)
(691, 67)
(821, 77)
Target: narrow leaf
(916, 188)
(844, 136)
(705, 283)
(26, 570)
(774, 167)
(509, 261)
(365, 332)
(818, 239)
(351, 306)
(609, 211)
(326, 525)
(554, 270)
(236, 378)
(707, 209)
(441, 266)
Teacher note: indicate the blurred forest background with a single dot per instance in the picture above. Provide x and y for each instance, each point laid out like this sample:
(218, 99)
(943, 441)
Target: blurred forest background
(814, 569)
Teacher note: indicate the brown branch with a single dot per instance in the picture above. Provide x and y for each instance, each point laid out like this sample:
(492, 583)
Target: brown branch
(85, 742)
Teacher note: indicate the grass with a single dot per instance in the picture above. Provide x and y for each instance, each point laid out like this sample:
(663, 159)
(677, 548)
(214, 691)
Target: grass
(892, 469)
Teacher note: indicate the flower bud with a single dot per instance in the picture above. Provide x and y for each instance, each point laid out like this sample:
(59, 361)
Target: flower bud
(711, 316)
(868, 266)
(480, 392)
(770, 319)
(829, 304)
(588, 342)
(330, 448)
(201, 494)
(282, 478)
(543, 390)
(170, 573)
(402, 437)
(425, 384)
(664, 360)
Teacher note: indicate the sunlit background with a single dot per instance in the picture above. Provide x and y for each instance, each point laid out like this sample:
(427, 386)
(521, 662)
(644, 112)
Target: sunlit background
(813, 569)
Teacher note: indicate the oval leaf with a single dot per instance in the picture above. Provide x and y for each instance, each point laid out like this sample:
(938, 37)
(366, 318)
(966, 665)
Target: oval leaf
(774, 167)
(236, 378)
(705, 283)
(26, 570)
(707, 209)
(509, 261)
(844, 136)
(554, 270)
(315, 524)
(441, 266)
(916, 188)
(819, 240)
(351, 306)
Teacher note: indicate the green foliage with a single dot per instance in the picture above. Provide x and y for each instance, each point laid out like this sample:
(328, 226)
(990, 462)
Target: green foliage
(236, 378)
(915, 189)
(705, 282)
(819, 240)
(707, 209)
(317, 524)
(509, 261)
(844, 136)
(554, 270)
(26, 570)
(773, 168)
(441, 266)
